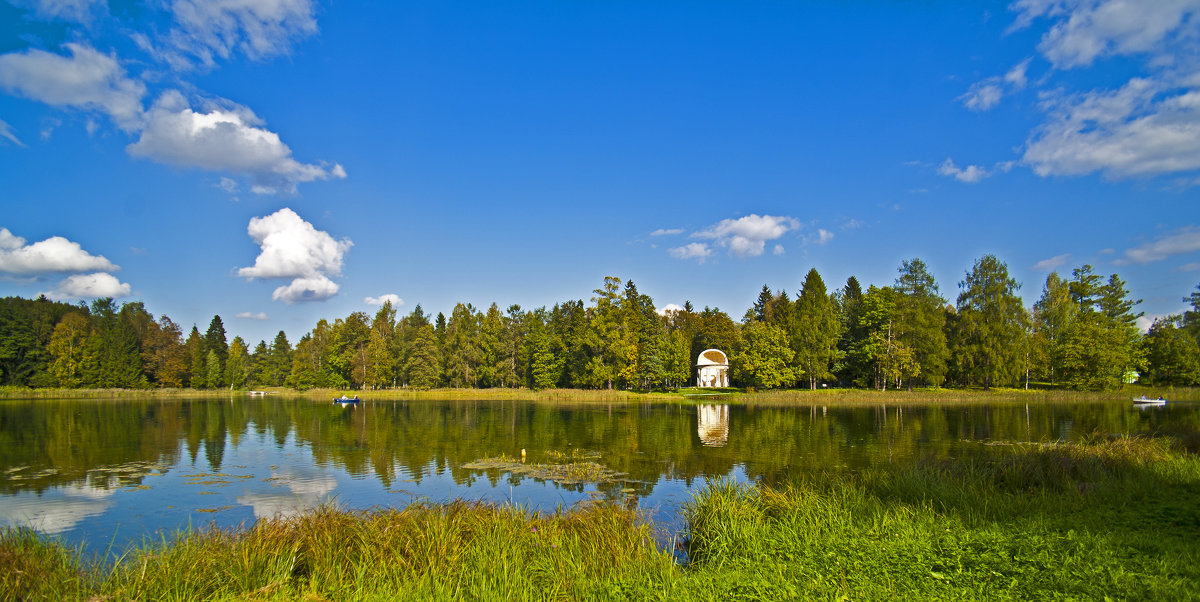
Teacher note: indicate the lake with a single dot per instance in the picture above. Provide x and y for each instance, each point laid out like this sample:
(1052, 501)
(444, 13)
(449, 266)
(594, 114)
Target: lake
(109, 473)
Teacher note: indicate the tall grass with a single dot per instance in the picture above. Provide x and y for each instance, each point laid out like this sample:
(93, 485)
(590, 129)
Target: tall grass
(1108, 518)
(456, 550)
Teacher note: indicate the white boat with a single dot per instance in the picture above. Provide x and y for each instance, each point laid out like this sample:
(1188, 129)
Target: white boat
(1146, 401)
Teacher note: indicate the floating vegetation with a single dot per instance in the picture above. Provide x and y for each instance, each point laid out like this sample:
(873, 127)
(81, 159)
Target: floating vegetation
(576, 455)
(573, 472)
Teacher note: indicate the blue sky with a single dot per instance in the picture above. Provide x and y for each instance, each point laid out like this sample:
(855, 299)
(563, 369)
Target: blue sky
(288, 160)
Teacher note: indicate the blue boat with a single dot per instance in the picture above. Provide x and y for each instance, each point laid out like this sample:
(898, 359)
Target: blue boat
(344, 399)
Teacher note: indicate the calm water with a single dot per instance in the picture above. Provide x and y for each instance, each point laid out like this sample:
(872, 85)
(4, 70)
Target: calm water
(114, 472)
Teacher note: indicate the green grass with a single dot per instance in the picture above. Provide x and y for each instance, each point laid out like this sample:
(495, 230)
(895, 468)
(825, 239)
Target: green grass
(1112, 518)
(1108, 518)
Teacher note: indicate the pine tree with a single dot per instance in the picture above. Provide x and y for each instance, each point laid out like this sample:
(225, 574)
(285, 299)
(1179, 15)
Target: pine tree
(815, 330)
(991, 324)
(921, 321)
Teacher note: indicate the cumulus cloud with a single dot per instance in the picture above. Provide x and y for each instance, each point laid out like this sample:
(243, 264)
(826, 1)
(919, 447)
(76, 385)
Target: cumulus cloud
(669, 308)
(747, 236)
(253, 316)
(1183, 240)
(7, 133)
(86, 80)
(293, 248)
(394, 299)
(779, 250)
(1085, 30)
(223, 137)
(696, 250)
(969, 174)
(666, 231)
(1143, 128)
(305, 290)
(88, 286)
(55, 254)
(212, 29)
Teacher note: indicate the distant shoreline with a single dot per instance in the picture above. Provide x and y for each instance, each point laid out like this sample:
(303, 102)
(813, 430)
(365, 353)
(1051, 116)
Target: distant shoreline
(687, 396)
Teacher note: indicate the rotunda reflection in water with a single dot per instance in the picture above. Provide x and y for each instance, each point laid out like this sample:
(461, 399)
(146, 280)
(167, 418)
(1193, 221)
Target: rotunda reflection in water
(713, 425)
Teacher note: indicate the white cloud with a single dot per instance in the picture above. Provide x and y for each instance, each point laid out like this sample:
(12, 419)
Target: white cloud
(225, 138)
(228, 185)
(55, 254)
(695, 250)
(820, 237)
(669, 308)
(210, 29)
(1183, 240)
(1189, 267)
(304, 290)
(969, 174)
(7, 133)
(779, 250)
(666, 231)
(253, 316)
(293, 248)
(381, 299)
(1144, 322)
(1141, 129)
(1051, 263)
(983, 95)
(85, 80)
(88, 286)
(1085, 30)
(68, 10)
(747, 236)
(1016, 76)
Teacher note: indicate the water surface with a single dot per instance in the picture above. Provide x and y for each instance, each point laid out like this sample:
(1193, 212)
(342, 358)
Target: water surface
(104, 472)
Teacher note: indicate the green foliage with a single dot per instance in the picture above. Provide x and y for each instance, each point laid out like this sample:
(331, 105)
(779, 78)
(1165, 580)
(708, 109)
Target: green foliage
(815, 330)
(765, 358)
(424, 360)
(1172, 353)
(921, 323)
(991, 325)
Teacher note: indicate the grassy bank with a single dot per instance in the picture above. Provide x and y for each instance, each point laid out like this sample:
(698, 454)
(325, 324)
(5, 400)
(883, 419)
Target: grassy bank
(1111, 518)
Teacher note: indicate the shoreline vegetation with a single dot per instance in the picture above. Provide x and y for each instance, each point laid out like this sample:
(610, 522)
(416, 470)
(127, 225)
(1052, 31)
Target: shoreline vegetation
(685, 395)
(1110, 517)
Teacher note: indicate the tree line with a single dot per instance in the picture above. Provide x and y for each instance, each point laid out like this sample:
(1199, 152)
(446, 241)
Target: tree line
(1080, 334)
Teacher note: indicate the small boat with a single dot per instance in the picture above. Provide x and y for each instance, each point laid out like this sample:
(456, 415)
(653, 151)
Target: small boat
(1146, 401)
(344, 399)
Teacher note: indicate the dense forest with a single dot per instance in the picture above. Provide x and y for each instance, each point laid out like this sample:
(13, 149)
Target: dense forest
(1080, 334)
